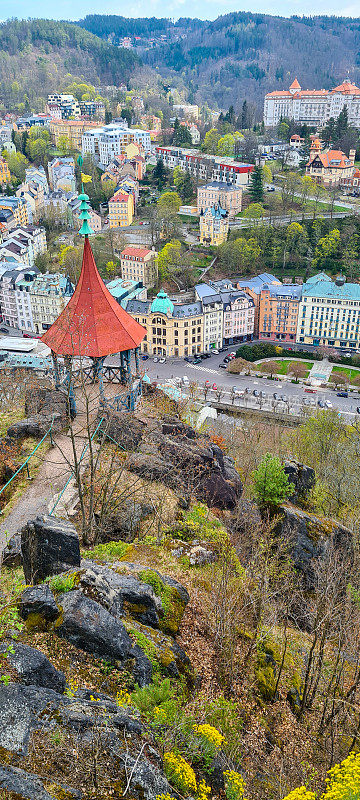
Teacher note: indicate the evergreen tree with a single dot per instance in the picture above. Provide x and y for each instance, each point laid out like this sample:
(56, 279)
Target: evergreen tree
(342, 123)
(186, 189)
(244, 116)
(108, 117)
(126, 114)
(256, 188)
(159, 175)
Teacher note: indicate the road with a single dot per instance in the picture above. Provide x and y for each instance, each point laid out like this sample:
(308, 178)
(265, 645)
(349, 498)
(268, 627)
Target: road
(242, 222)
(209, 371)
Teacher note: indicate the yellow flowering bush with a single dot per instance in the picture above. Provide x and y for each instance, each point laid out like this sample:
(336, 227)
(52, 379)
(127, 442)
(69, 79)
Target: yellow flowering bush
(234, 785)
(180, 773)
(72, 688)
(164, 797)
(212, 735)
(203, 792)
(344, 780)
(302, 793)
(122, 698)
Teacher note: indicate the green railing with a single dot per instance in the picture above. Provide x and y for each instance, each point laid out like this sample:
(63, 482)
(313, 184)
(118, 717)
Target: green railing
(25, 464)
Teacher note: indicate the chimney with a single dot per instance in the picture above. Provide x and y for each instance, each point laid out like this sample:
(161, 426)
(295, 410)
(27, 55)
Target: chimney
(352, 156)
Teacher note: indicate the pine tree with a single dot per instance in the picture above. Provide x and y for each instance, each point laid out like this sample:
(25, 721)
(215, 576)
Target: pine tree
(159, 174)
(244, 116)
(256, 189)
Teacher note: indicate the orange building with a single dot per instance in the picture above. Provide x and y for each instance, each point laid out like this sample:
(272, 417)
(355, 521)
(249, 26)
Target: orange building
(329, 167)
(278, 312)
(5, 176)
(121, 209)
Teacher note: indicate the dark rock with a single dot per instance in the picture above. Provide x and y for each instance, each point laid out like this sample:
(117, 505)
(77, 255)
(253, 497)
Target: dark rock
(25, 786)
(124, 524)
(49, 546)
(12, 556)
(142, 670)
(48, 402)
(32, 666)
(40, 602)
(36, 427)
(147, 780)
(217, 492)
(124, 428)
(302, 477)
(311, 539)
(174, 427)
(122, 593)
(294, 700)
(90, 627)
(198, 556)
(22, 710)
(216, 773)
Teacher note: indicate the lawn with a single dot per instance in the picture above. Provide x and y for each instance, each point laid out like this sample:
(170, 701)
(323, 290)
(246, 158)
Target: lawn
(284, 364)
(348, 371)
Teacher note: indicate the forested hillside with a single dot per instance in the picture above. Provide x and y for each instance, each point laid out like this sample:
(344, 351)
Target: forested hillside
(37, 55)
(243, 54)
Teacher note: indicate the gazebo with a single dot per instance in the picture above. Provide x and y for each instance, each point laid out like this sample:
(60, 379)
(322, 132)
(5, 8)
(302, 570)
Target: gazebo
(93, 326)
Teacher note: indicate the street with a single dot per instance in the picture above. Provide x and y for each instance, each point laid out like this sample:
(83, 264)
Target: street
(209, 371)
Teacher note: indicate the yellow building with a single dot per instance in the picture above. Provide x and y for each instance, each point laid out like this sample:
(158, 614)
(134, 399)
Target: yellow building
(329, 167)
(19, 209)
(72, 129)
(121, 209)
(5, 176)
(214, 225)
(171, 329)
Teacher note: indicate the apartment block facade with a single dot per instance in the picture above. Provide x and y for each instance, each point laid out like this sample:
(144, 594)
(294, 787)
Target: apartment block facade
(121, 209)
(214, 225)
(62, 174)
(5, 176)
(139, 264)
(278, 312)
(73, 129)
(205, 167)
(172, 329)
(329, 312)
(107, 142)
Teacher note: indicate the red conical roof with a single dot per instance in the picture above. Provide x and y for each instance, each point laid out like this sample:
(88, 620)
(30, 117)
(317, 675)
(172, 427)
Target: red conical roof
(93, 323)
(295, 84)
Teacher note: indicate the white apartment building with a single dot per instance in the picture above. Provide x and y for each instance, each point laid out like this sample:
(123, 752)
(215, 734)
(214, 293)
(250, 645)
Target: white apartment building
(66, 103)
(23, 244)
(139, 264)
(239, 316)
(312, 106)
(109, 141)
(329, 312)
(205, 167)
(49, 294)
(15, 300)
(213, 314)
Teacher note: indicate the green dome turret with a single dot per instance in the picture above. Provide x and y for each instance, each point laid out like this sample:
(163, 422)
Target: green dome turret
(162, 304)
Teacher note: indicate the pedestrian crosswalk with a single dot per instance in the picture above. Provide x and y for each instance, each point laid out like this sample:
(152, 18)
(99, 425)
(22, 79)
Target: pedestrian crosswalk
(204, 369)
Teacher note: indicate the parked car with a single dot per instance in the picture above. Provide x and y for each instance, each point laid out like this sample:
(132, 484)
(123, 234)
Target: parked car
(321, 404)
(162, 360)
(284, 398)
(233, 354)
(342, 394)
(328, 404)
(197, 360)
(358, 409)
(276, 396)
(188, 358)
(256, 393)
(227, 359)
(310, 390)
(214, 387)
(223, 365)
(214, 352)
(206, 355)
(145, 357)
(156, 360)
(185, 380)
(4, 330)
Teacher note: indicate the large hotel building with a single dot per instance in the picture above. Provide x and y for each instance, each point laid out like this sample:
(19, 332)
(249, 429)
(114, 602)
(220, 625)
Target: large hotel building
(312, 106)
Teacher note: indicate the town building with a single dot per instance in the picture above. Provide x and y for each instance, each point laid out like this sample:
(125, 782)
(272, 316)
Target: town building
(72, 129)
(139, 264)
(312, 106)
(107, 142)
(121, 209)
(172, 329)
(92, 108)
(74, 207)
(125, 290)
(238, 312)
(5, 134)
(213, 317)
(19, 211)
(25, 123)
(49, 294)
(205, 167)
(37, 176)
(351, 184)
(329, 312)
(278, 312)
(67, 103)
(187, 110)
(226, 195)
(62, 174)
(15, 300)
(5, 176)
(214, 225)
(34, 196)
(24, 244)
(329, 167)
(253, 287)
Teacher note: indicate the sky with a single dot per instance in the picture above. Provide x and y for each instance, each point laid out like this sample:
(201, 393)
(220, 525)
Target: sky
(204, 9)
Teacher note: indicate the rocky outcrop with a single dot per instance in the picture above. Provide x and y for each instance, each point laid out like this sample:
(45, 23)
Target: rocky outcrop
(125, 429)
(30, 787)
(32, 666)
(36, 427)
(312, 539)
(11, 555)
(124, 524)
(173, 453)
(302, 477)
(47, 402)
(38, 602)
(24, 709)
(49, 546)
(122, 594)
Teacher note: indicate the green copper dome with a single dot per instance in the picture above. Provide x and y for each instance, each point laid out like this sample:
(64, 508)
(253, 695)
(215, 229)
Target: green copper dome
(162, 304)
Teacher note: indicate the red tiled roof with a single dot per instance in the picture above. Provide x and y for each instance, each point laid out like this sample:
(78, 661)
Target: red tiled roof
(141, 252)
(92, 324)
(330, 156)
(295, 84)
(346, 87)
(119, 197)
